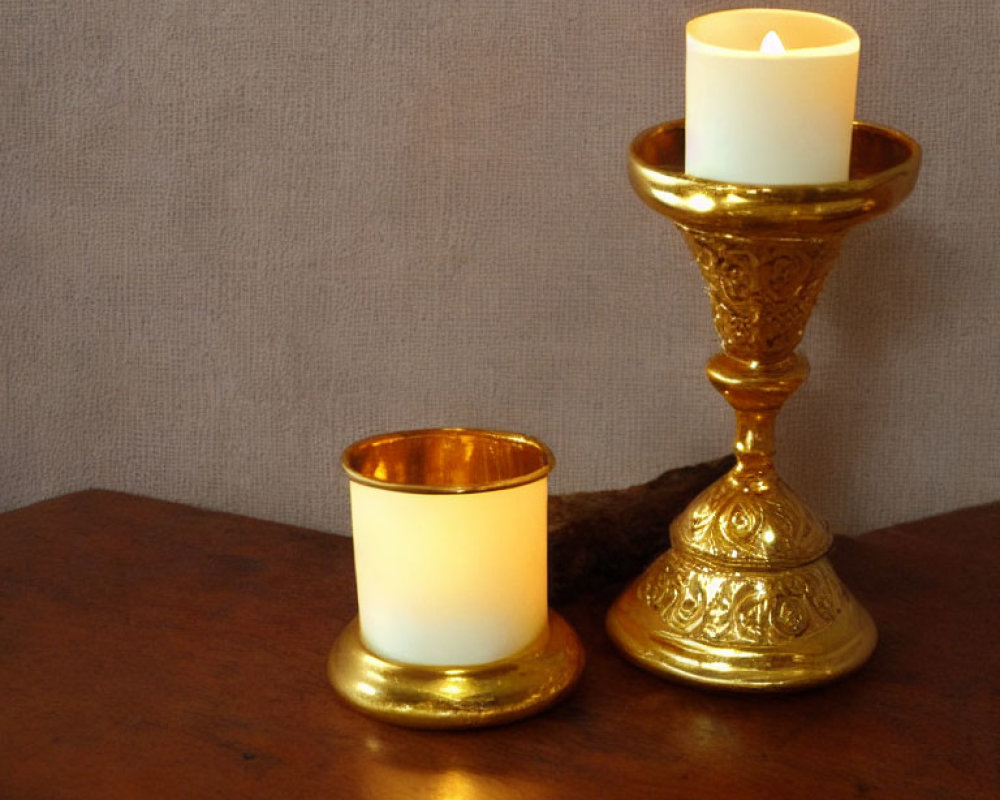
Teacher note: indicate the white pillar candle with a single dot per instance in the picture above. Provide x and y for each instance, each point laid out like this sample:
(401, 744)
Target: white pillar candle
(769, 112)
(450, 542)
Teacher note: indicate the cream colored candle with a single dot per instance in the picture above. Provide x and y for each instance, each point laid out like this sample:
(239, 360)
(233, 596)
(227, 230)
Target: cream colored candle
(770, 97)
(450, 542)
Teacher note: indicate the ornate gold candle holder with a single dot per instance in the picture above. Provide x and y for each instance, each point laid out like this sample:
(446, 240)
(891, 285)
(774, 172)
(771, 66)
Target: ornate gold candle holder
(453, 626)
(745, 598)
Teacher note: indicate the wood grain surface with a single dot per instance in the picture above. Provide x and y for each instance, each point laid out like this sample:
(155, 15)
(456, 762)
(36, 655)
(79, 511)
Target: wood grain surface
(153, 650)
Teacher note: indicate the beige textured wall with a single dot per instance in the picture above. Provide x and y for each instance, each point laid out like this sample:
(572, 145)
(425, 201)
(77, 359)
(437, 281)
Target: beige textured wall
(238, 235)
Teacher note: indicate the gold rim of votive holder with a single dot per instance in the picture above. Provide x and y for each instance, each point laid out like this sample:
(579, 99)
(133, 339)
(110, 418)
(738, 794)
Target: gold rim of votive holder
(447, 460)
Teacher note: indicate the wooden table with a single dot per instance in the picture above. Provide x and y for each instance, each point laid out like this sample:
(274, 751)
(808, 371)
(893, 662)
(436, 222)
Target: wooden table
(153, 650)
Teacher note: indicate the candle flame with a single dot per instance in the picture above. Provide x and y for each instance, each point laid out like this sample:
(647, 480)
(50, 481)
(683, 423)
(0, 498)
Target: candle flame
(771, 44)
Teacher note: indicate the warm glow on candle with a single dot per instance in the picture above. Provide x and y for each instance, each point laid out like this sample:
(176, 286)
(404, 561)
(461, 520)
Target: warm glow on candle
(768, 109)
(450, 545)
(450, 579)
(771, 44)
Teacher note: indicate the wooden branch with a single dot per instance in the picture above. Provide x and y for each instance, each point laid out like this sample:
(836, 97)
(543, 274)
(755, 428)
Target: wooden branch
(598, 538)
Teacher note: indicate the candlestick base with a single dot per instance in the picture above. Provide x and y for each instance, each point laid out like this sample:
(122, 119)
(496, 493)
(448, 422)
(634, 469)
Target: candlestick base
(417, 696)
(748, 630)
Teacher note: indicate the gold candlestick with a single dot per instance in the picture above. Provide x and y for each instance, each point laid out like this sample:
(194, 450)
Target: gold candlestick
(746, 598)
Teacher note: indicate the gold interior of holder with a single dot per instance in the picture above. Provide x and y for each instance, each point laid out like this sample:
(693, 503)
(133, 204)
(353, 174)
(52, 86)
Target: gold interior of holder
(874, 150)
(447, 460)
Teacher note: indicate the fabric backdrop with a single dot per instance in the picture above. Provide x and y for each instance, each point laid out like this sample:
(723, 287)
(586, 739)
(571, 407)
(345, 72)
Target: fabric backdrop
(236, 236)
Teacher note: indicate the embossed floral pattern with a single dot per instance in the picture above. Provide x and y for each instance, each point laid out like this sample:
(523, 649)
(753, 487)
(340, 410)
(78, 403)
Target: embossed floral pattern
(762, 290)
(735, 524)
(751, 609)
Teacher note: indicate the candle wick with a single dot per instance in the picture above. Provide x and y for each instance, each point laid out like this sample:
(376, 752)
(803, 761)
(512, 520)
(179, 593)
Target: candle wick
(771, 44)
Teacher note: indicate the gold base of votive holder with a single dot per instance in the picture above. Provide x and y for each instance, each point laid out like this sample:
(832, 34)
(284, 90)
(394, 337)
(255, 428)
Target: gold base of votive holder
(442, 697)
